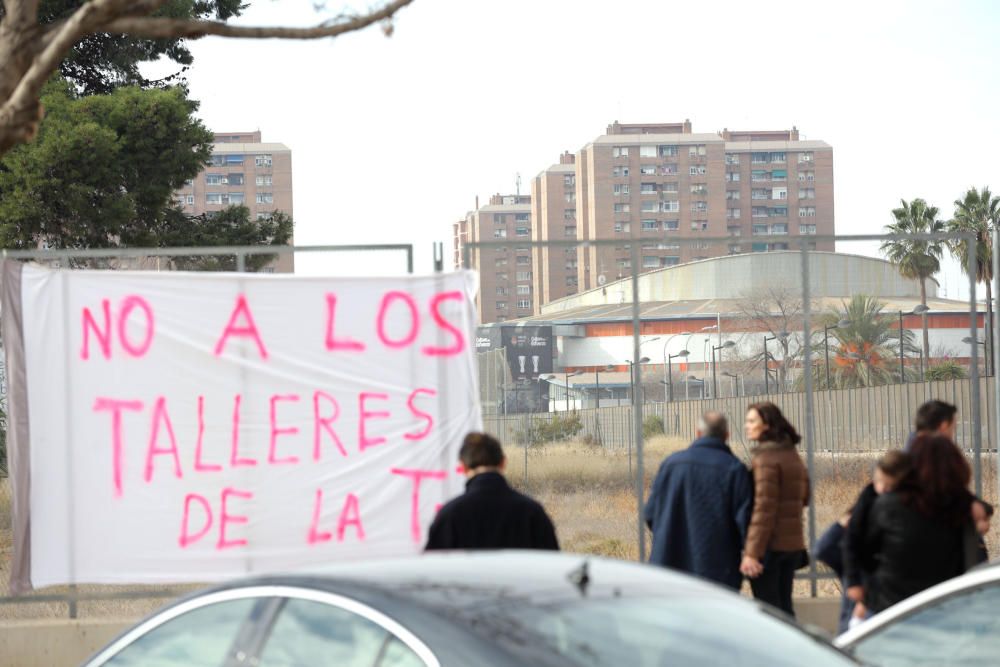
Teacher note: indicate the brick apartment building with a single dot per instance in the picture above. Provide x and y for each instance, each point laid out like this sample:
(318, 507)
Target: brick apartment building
(650, 185)
(244, 170)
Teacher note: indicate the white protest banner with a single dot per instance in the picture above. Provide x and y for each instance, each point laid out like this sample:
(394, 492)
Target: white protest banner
(192, 427)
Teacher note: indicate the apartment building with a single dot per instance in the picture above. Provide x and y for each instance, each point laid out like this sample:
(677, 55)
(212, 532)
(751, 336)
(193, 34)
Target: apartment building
(652, 185)
(506, 274)
(243, 170)
(553, 215)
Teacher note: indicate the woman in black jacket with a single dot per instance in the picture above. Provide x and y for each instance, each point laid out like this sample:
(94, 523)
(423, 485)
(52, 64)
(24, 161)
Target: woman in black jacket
(922, 533)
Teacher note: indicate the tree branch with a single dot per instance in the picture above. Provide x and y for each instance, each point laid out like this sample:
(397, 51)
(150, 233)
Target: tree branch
(163, 28)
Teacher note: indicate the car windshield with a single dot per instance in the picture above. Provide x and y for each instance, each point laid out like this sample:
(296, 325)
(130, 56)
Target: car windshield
(657, 632)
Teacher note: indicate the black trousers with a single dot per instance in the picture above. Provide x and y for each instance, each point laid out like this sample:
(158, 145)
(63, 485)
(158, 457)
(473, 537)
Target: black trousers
(774, 585)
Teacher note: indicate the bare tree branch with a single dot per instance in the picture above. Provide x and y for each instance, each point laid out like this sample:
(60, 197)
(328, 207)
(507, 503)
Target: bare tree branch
(162, 28)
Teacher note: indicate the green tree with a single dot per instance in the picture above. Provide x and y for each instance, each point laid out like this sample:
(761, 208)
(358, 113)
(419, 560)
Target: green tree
(916, 259)
(865, 352)
(103, 169)
(231, 226)
(978, 213)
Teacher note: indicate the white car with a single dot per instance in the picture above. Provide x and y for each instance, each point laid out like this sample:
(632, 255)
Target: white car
(956, 623)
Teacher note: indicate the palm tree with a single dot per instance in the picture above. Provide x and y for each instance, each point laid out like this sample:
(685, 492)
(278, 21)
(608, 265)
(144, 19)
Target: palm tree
(864, 352)
(916, 259)
(978, 213)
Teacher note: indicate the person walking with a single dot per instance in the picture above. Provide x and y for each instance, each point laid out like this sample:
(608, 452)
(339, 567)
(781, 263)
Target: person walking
(699, 507)
(490, 514)
(923, 532)
(775, 545)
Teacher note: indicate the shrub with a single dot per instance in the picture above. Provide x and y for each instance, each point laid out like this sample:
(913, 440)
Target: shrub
(652, 426)
(557, 429)
(946, 370)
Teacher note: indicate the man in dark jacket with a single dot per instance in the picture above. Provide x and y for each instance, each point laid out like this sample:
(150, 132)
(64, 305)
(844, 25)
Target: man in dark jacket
(490, 514)
(700, 505)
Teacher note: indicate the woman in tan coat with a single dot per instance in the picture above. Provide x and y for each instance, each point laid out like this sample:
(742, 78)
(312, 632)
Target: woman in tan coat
(775, 546)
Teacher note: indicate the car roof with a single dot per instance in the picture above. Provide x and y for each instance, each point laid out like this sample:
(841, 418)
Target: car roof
(984, 574)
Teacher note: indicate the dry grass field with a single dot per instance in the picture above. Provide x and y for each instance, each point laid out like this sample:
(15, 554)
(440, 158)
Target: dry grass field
(589, 492)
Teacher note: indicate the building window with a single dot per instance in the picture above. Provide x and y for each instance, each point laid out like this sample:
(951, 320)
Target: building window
(732, 214)
(236, 198)
(213, 198)
(264, 215)
(650, 225)
(522, 218)
(502, 276)
(647, 189)
(622, 208)
(499, 233)
(647, 151)
(759, 193)
(189, 200)
(500, 261)
(668, 170)
(650, 262)
(501, 305)
(571, 264)
(758, 212)
(780, 193)
(624, 263)
(671, 225)
(263, 160)
(697, 170)
(620, 172)
(734, 230)
(779, 228)
(699, 206)
(779, 175)
(807, 230)
(778, 212)
(623, 227)
(569, 230)
(619, 151)
(699, 226)
(570, 197)
(759, 175)
(621, 188)
(569, 214)
(735, 249)
(805, 176)
(523, 260)
(732, 158)
(499, 219)
(807, 193)
(648, 170)
(501, 290)
(671, 261)
(235, 179)
(571, 281)
(759, 158)
(807, 211)
(650, 206)
(732, 195)
(696, 151)
(777, 158)
(670, 206)
(523, 276)
(668, 151)
(524, 290)
(760, 230)
(265, 198)
(805, 157)
(264, 179)
(699, 189)
(215, 179)
(700, 245)
(569, 180)
(522, 231)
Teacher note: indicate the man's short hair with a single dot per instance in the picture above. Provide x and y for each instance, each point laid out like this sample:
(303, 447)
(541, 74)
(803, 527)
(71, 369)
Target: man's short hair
(932, 414)
(713, 425)
(480, 450)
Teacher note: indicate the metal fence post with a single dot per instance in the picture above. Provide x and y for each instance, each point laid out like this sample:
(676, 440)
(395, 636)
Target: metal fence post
(996, 350)
(977, 432)
(637, 396)
(810, 433)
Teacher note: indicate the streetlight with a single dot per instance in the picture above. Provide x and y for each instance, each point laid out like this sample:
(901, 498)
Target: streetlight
(568, 376)
(715, 382)
(920, 309)
(548, 377)
(782, 335)
(597, 379)
(667, 344)
(842, 324)
(736, 382)
(670, 371)
(968, 340)
(631, 376)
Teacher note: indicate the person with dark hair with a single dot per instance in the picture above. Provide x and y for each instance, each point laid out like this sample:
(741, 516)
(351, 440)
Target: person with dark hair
(933, 418)
(921, 533)
(775, 545)
(490, 514)
(699, 507)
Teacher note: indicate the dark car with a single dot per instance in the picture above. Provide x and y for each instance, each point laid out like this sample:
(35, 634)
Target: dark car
(469, 610)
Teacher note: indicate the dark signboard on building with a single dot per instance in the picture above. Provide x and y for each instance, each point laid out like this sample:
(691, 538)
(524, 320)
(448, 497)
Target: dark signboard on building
(529, 351)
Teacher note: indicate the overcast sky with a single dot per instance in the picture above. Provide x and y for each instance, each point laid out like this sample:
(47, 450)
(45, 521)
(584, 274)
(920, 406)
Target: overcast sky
(392, 139)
